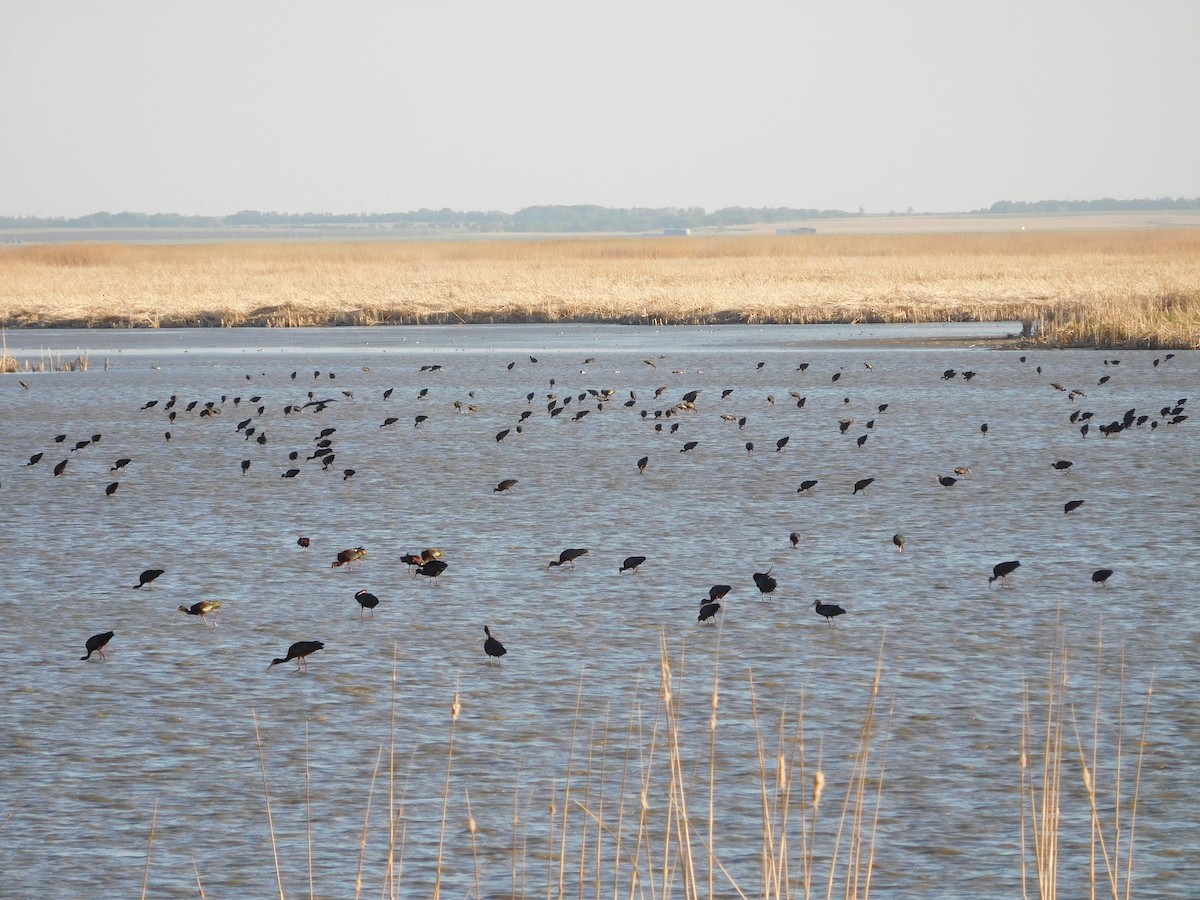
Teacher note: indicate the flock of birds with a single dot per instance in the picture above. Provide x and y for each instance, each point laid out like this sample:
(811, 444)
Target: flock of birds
(666, 419)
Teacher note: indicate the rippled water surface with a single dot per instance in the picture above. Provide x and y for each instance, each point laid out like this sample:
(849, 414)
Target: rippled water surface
(159, 739)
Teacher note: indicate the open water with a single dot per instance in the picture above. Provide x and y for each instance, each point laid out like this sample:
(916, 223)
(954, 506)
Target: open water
(146, 766)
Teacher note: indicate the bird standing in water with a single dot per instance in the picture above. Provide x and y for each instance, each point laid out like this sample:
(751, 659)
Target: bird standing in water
(202, 609)
(147, 577)
(567, 557)
(299, 651)
(95, 644)
(766, 584)
(492, 647)
(828, 610)
(632, 563)
(366, 600)
(1003, 570)
(898, 540)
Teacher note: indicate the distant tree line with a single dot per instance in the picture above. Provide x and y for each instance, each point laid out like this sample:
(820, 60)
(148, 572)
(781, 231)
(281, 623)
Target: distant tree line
(1107, 204)
(567, 219)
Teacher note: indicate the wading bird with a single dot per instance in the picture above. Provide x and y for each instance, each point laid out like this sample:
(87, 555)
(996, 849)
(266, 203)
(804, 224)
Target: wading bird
(708, 610)
(492, 647)
(828, 610)
(506, 485)
(1003, 570)
(366, 600)
(202, 608)
(95, 644)
(299, 651)
(567, 557)
(1101, 576)
(147, 577)
(631, 563)
(766, 584)
(346, 557)
(898, 540)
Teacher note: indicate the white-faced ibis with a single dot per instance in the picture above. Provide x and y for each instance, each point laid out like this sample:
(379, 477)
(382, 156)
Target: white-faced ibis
(781, 443)
(828, 610)
(1100, 576)
(506, 485)
(1072, 505)
(492, 647)
(898, 540)
(501, 434)
(642, 463)
(290, 473)
(202, 608)
(962, 471)
(34, 460)
(346, 557)
(690, 445)
(1003, 570)
(983, 429)
(120, 464)
(862, 484)
(245, 466)
(631, 563)
(60, 468)
(567, 557)
(806, 485)
(347, 474)
(947, 480)
(709, 610)
(794, 539)
(112, 489)
(1062, 465)
(303, 542)
(147, 577)
(95, 644)
(366, 600)
(766, 584)
(299, 651)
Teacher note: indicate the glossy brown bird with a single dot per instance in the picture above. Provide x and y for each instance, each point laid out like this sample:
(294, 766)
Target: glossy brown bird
(96, 643)
(346, 557)
(299, 651)
(765, 582)
(203, 609)
(807, 485)
(898, 540)
(432, 569)
(642, 463)
(1072, 505)
(709, 610)
(1101, 576)
(862, 484)
(506, 485)
(303, 542)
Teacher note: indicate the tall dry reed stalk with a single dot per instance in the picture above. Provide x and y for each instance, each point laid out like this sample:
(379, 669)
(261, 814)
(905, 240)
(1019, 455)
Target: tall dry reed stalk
(1045, 755)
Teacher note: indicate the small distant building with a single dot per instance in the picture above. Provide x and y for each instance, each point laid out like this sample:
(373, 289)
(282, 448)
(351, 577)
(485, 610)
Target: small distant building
(799, 229)
(677, 232)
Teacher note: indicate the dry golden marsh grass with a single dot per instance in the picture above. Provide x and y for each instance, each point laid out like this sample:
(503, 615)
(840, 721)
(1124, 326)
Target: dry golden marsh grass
(1116, 288)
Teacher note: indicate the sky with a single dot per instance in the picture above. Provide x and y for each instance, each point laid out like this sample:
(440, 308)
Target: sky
(213, 107)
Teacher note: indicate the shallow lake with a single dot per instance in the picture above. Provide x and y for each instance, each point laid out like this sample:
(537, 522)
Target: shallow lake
(154, 750)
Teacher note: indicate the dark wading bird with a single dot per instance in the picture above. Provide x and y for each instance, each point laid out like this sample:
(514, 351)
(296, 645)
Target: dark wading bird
(34, 460)
(806, 485)
(492, 647)
(1003, 570)
(690, 445)
(1062, 465)
(567, 557)
(766, 584)
(303, 542)
(299, 651)
(60, 468)
(708, 610)
(631, 562)
(120, 464)
(947, 480)
(861, 485)
(366, 600)
(898, 540)
(1101, 576)
(432, 569)
(95, 644)
(642, 463)
(147, 577)
(112, 489)
(245, 466)
(202, 609)
(506, 485)
(828, 610)
(1072, 505)
(794, 537)
(346, 557)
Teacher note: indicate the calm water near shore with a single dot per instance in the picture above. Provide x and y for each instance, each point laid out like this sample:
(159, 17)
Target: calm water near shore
(164, 728)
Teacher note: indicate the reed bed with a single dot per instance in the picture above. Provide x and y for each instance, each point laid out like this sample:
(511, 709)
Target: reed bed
(1122, 288)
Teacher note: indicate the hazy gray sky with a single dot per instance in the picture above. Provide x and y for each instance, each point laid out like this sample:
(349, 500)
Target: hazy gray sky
(212, 107)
